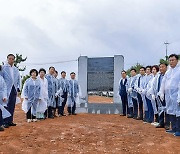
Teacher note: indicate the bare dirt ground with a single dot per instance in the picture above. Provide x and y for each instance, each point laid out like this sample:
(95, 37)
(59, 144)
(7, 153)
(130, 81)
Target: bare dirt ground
(86, 133)
(100, 99)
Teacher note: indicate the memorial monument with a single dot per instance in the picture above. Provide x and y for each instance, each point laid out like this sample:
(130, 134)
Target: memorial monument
(99, 81)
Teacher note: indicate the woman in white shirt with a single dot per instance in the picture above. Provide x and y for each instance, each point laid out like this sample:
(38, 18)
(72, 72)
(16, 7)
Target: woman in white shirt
(42, 105)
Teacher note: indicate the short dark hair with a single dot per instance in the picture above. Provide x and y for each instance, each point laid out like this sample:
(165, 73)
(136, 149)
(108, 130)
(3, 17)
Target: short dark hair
(149, 67)
(33, 70)
(72, 73)
(156, 67)
(0, 67)
(42, 70)
(163, 64)
(174, 55)
(143, 68)
(52, 67)
(133, 69)
(11, 55)
(123, 71)
(63, 72)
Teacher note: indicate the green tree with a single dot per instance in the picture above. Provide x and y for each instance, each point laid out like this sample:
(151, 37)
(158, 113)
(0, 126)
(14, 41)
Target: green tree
(164, 61)
(137, 67)
(24, 79)
(19, 59)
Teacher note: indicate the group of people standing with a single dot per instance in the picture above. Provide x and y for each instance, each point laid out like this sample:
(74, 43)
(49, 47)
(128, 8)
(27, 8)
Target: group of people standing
(44, 95)
(153, 95)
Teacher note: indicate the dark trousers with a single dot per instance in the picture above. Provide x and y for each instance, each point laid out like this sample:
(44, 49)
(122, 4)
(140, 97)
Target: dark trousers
(135, 108)
(156, 118)
(164, 118)
(48, 113)
(131, 111)
(29, 115)
(61, 108)
(173, 122)
(11, 105)
(1, 118)
(140, 105)
(54, 109)
(71, 110)
(125, 104)
(146, 115)
(56, 99)
(157, 115)
(178, 124)
(150, 112)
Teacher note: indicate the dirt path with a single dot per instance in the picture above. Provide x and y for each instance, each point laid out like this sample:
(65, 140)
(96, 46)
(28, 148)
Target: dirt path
(86, 133)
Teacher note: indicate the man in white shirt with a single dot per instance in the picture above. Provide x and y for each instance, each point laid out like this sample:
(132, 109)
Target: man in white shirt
(11, 76)
(170, 89)
(139, 86)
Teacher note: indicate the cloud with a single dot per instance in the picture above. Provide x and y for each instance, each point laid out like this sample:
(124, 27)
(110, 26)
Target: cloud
(58, 30)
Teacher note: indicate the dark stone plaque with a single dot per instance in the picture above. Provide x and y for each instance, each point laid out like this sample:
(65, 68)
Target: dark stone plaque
(100, 74)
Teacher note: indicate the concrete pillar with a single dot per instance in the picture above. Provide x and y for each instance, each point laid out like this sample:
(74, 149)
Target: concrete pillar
(118, 67)
(82, 78)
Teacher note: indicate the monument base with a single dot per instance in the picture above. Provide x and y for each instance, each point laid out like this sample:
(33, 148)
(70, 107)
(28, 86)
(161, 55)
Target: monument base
(98, 108)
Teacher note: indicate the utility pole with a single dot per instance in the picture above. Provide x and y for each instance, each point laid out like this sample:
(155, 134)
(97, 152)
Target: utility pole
(166, 44)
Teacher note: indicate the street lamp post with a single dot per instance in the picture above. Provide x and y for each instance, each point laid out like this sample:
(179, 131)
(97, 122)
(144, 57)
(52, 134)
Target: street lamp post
(166, 44)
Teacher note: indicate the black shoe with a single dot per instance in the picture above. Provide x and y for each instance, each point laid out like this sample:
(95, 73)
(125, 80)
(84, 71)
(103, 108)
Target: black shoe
(1, 129)
(139, 118)
(167, 127)
(170, 131)
(159, 126)
(129, 116)
(12, 124)
(134, 117)
(51, 117)
(123, 115)
(62, 115)
(6, 126)
(74, 114)
(40, 119)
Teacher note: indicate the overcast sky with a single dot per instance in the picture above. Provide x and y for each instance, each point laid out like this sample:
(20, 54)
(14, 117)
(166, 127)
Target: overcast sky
(60, 30)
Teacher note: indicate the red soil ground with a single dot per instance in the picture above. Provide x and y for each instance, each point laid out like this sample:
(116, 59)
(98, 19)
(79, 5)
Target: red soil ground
(100, 99)
(86, 133)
